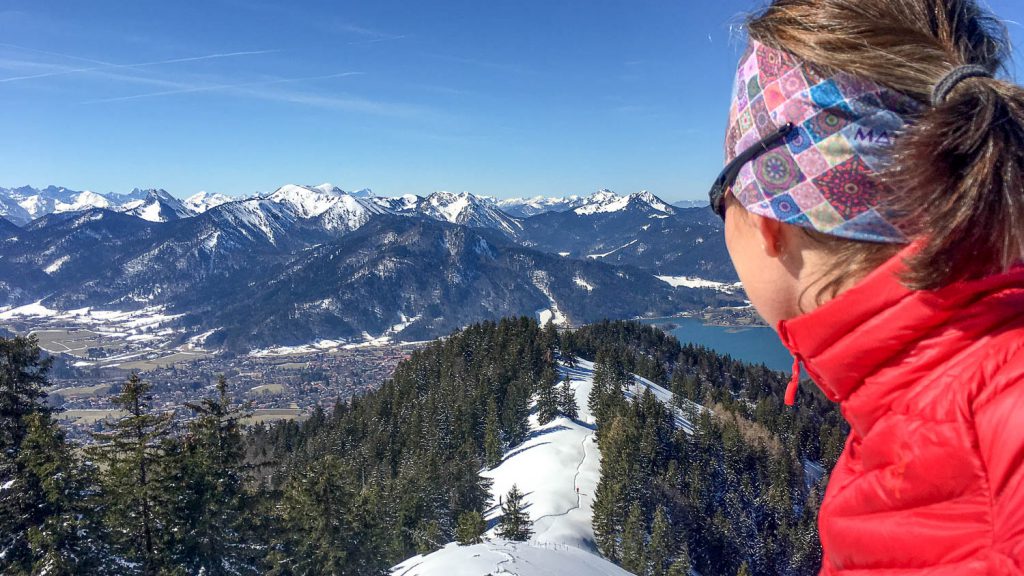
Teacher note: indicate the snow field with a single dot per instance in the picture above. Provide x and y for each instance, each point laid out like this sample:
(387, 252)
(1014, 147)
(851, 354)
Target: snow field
(687, 282)
(502, 558)
(548, 467)
(558, 458)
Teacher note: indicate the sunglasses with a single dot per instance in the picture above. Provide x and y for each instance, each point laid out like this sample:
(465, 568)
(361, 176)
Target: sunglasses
(731, 171)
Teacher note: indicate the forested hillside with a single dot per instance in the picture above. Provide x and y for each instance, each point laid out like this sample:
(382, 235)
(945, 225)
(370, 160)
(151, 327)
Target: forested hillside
(360, 487)
(725, 479)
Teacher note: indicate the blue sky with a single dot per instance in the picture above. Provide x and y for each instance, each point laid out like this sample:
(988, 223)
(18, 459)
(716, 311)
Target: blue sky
(495, 97)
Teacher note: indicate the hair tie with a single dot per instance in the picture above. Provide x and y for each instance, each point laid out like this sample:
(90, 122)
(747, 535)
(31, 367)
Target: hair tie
(954, 78)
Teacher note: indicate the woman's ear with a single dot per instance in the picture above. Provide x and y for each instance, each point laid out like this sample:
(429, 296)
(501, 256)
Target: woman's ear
(770, 231)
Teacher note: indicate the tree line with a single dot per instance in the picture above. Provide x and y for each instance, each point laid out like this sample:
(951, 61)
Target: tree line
(353, 491)
(370, 482)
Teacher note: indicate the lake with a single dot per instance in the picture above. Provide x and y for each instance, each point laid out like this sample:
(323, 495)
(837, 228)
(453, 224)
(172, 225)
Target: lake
(756, 345)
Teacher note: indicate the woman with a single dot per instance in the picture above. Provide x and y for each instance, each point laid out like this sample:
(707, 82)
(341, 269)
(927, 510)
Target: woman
(874, 210)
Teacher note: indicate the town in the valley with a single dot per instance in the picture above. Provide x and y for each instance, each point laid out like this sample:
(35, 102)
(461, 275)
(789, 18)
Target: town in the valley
(91, 363)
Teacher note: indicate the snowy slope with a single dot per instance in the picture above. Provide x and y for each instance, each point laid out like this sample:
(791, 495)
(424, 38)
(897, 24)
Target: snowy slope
(688, 282)
(203, 201)
(348, 213)
(558, 458)
(24, 204)
(157, 206)
(606, 201)
(334, 209)
(256, 218)
(469, 210)
(501, 558)
(82, 201)
(306, 202)
(526, 207)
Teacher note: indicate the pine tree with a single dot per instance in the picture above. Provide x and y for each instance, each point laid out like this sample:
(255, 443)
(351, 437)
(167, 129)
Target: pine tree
(22, 380)
(567, 399)
(515, 522)
(633, 545)
(601, 384)
(312, 519)
(744, 570)
(612, 495)
(606, 521)
(516, 413)
(547, 397)
(134, 456)
(23, 373)
(471, 528)
(606, 397)
(549, 340)
(492, 439)
(428, 537)
(659, 547)
(70, 538)
(680, 567)
(212, 516)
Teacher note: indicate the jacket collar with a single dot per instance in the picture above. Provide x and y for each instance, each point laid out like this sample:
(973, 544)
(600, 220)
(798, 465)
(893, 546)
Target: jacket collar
(876, 322)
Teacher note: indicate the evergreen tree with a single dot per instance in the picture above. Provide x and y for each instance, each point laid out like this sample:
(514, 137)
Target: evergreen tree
(567, 399)
(659, 547)
(70, 538)
(606, 518)
(213, 515)
(613, 490)
(601, 384)
(471, 528)
(549, 340)
(606, 397)
(314, 531)
(744, 570)
(23, 373)
(516, 413)
(633, 545)
(133, 457)
(515, 522)
(547, 401)
(428, 537)
(492, 439)
(680, 567)
(22, 380)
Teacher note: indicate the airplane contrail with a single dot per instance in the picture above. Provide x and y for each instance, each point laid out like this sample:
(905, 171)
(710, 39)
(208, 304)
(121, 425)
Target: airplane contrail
(223, 87)
(110, 66)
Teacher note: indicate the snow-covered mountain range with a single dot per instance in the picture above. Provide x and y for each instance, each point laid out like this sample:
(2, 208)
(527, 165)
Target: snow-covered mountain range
(311, 263)
(526, 207)
(636, 229)
(24, 204)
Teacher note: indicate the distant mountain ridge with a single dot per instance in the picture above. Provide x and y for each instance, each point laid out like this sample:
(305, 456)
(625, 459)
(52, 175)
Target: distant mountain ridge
(259, 276)
(638, 229)
(23, 204)
(310, 263)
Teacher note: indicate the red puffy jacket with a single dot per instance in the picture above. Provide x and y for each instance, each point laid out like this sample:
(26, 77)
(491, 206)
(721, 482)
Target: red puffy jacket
(931, 480)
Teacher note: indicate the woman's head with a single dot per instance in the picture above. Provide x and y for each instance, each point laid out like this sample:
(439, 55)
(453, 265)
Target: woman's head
(953, 178)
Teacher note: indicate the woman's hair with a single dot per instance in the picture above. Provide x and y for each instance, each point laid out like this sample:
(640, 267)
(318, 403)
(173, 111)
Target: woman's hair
(957, 174)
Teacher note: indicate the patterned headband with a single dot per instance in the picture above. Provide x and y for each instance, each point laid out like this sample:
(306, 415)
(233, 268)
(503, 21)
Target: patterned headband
(825, 175)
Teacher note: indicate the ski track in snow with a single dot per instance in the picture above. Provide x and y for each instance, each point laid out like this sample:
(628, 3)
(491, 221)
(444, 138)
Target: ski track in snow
(579, 495)
(508, 558)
